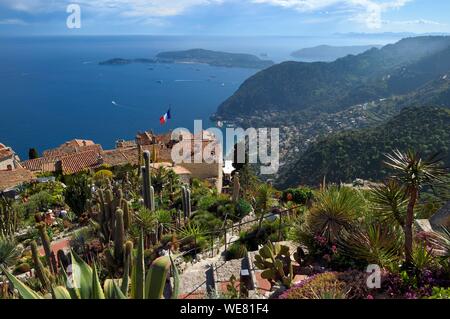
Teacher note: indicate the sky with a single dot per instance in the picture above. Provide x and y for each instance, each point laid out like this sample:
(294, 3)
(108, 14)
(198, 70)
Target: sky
(225, 17)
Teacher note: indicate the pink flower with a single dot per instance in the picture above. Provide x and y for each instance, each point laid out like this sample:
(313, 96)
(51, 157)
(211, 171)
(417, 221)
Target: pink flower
(334, 249)
(370, 297)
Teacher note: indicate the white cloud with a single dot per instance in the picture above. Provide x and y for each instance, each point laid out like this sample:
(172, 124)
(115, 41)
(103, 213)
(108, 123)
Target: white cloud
(368, 12)
(12, 22)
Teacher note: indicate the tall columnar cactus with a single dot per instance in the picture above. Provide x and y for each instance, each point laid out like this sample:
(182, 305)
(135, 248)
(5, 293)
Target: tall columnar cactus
(275, 261)
(125, 206)
(8, 218)
(119, 237)
(148, 190)
(109, 214)
(39, 268)
(186, 201)
(236, 188)
(127, 257)
(108, 204)
(46, 244)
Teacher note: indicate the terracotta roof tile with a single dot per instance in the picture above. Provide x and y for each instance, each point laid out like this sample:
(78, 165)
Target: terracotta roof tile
(78, 162)
(71, 147)
(42, 164)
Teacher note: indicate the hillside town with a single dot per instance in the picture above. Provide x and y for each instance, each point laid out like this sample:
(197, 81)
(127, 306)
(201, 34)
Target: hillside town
(79, 155)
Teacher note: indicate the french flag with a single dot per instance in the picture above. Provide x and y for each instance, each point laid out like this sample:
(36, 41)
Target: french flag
(163, 120)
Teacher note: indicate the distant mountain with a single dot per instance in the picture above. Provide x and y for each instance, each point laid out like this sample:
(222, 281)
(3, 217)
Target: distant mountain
(327, 53)
(348, 155)
(213, 58)
(330, 87)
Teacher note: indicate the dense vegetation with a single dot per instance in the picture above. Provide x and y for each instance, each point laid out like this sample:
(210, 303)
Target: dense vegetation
(348, 155)
(378, 73)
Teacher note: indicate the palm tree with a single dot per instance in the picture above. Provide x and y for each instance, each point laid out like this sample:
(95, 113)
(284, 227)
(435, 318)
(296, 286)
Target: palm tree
(414, 173)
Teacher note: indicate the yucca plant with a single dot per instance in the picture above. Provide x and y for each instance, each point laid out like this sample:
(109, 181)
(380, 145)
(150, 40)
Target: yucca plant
(335, 209)
(84, 283)
(413, 173)
(389, 202)
(378, 244)
(440, 243)
(423, 257)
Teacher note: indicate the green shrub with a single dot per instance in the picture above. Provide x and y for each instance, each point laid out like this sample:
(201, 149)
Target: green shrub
(298, 195)
(243, 208)
(207, 221)
(440, 293)
(269, 232)
(236, 251)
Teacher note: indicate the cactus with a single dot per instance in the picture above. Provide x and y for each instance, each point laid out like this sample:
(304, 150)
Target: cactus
(119, 237)
(149, 287)
(148, 190)
(127, 266)
(109, 214)
(39, 268)
(46, 244)
(8, 218)
(108, 204)
(186, 201)
(125, 206)
(138, 291)
(236, 188)
(275, 261)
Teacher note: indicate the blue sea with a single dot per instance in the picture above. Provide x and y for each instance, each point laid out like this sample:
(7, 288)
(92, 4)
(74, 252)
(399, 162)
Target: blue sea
(52, 89)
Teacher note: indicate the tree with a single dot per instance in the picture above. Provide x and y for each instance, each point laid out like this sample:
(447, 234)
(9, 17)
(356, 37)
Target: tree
(33, 153)
(247, 176)
(414, 173)
(77, 193)
(264, 202)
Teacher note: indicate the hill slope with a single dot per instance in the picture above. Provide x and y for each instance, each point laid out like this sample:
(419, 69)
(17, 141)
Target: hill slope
(359, 154)
(328, 53)
(330, 87)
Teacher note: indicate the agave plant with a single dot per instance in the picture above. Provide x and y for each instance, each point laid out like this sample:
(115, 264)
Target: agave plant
(9, 251)
(413, 173)
(84, 283)
(335, 209)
